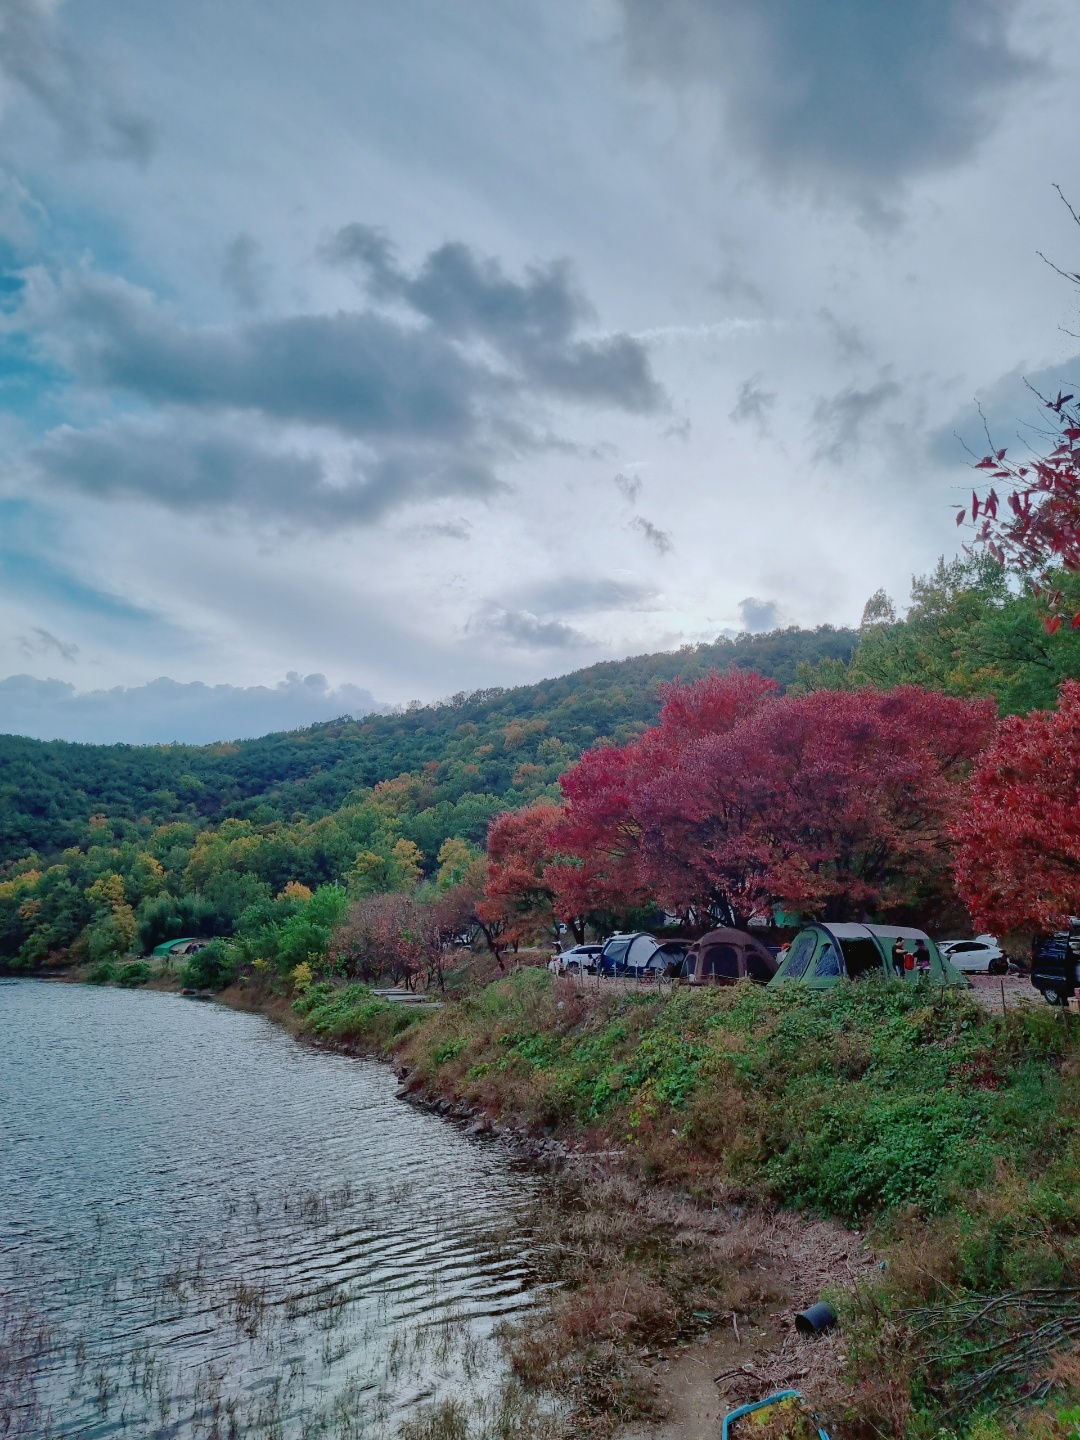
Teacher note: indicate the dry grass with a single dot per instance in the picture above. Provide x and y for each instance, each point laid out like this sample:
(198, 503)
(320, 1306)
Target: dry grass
(641, 1269)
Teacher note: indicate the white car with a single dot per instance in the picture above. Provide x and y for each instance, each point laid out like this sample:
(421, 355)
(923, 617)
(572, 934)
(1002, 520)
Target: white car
(581, 960)
(983, 955)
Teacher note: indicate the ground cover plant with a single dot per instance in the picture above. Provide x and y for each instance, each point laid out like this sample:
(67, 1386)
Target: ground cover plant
(951, 1136)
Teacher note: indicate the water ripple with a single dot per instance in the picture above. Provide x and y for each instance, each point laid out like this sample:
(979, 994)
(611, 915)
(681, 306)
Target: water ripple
(206, 1214)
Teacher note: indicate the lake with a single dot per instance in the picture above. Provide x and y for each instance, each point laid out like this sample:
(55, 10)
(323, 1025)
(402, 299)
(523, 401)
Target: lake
(208, 1229)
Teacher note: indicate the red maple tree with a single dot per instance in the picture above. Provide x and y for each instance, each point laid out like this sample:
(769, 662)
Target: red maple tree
(1039, 527)
(831, 803)
(1018, 861)
(604, 865)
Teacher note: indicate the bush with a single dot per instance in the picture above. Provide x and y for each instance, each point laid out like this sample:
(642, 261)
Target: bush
(211, 968)
(138, 972)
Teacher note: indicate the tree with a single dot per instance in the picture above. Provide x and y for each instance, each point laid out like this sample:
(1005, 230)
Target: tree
(113, 931)
(843, 801)
(382, 938)
(607, 844)
(1038, 530)
(833, 802)
(518, 895)
(456, 858)
(1018, 860)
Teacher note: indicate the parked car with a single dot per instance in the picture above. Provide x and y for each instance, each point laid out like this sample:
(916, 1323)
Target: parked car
(1054, 960)
(822, 955)
(983, 955)
(640, 954)
(724, 957)
(581, 960)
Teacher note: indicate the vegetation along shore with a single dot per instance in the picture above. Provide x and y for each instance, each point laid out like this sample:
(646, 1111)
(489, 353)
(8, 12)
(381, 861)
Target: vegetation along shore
(726, 1156)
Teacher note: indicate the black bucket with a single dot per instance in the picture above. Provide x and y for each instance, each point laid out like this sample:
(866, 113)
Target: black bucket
(815, 1319)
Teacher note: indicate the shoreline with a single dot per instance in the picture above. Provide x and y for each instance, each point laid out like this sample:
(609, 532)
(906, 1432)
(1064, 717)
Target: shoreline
(641, 1364)
(700, 1137)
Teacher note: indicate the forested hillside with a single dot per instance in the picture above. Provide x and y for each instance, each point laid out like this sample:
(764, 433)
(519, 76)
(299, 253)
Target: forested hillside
(508, 744)
(112, 848)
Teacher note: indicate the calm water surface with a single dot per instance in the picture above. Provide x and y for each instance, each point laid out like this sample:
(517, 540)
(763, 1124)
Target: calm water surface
(227, 1233)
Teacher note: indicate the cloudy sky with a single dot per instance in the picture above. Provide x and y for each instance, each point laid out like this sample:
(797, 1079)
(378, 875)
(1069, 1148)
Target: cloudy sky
(353, 354)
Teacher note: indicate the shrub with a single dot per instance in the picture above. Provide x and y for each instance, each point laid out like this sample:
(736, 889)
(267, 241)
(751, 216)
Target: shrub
(138, 972)
(211, 968)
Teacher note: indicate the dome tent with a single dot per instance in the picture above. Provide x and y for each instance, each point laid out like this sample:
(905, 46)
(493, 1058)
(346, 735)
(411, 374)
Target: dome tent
(725, 956)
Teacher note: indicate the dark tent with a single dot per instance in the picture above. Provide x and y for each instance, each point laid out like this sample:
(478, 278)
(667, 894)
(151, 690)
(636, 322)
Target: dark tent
(724, 957)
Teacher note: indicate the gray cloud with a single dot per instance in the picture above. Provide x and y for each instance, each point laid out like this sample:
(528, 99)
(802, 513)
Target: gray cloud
(840, 420)
(44, 642)
(659, 539)
(168, 710)
(531, 325)
(426, 401)
(216, 466)
(753, 403)
(71, 84)
(528, 630)
(759, 616)
(864, 94)
(244, 271)
(629, 487)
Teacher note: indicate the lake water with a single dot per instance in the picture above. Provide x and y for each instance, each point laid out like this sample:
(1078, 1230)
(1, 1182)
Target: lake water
(220, 1232)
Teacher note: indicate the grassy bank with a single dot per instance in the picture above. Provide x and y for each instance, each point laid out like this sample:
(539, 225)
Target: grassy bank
(951, 1136)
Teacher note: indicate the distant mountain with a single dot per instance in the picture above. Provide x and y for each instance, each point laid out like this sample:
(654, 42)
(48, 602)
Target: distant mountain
(472, 754)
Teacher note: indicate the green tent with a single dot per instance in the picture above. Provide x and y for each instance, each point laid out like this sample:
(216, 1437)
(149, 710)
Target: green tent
(163, 951)
(823, 954)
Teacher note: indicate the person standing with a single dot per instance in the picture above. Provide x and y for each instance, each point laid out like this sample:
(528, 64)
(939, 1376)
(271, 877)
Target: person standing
(898, 958)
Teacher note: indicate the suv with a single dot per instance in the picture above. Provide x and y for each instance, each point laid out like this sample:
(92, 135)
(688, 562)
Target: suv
(1054, 960)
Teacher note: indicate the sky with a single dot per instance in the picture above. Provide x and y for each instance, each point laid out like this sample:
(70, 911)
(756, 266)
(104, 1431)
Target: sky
(352, 355)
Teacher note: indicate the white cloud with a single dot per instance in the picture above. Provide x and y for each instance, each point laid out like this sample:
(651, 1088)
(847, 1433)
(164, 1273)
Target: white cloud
(164, 710)
(221, 506)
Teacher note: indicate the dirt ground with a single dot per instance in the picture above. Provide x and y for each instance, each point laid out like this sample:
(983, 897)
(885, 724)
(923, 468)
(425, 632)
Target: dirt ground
(749, 1355)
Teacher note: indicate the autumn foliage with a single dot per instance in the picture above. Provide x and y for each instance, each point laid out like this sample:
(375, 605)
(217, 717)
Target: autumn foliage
(1038, 527)
(1018, 861)
(518, 899)
(834, 803)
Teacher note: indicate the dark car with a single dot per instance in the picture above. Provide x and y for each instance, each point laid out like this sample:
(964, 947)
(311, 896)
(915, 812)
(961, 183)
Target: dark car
(1054, 959)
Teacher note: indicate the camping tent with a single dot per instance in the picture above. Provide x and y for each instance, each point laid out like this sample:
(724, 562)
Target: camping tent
(723, 957)
(825, 953)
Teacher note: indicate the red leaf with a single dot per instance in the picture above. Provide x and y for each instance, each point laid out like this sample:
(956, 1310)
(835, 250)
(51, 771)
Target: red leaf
(960, 514)
(1052, 624)
(1076, 621)
(974, 507)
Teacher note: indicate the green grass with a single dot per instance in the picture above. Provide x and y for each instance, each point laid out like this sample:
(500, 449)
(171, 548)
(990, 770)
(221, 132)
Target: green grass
(351, 1013)
(951, 1135)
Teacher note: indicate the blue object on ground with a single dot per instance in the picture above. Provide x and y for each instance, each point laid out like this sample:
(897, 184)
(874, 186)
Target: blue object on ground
(734, 1415)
